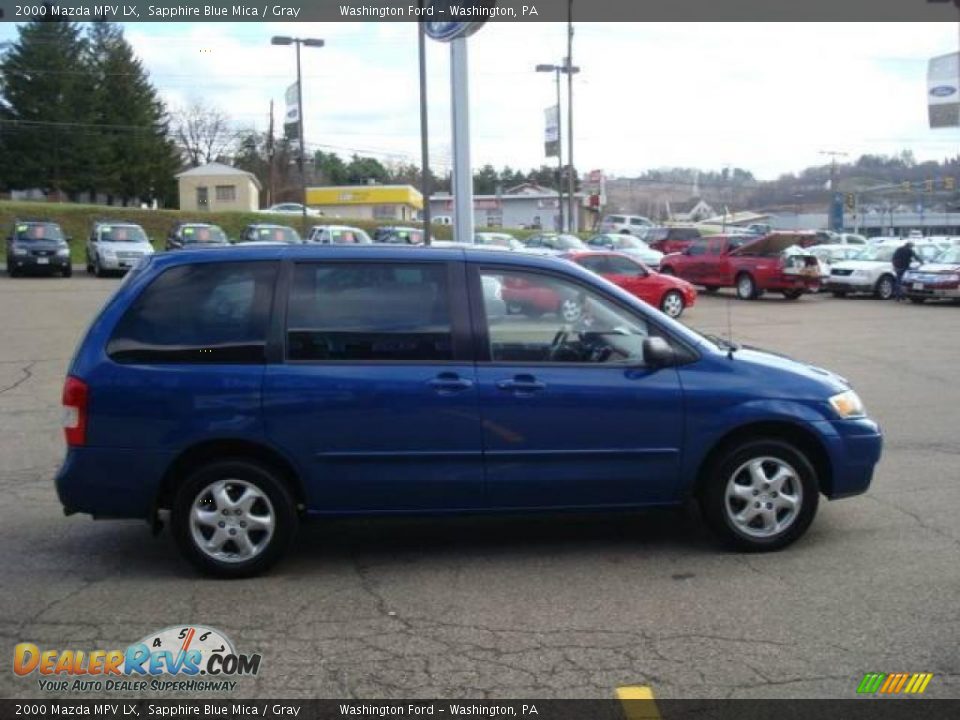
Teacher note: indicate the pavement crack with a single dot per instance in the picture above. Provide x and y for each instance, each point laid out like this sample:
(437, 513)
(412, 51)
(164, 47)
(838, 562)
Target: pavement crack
(27, 371)
(917, 518)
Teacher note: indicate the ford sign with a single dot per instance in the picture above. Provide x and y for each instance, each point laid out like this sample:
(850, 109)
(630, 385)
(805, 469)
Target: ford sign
(943, 91)
(447, 30)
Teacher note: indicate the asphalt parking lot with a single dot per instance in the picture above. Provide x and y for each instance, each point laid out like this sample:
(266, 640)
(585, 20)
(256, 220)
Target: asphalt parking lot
(569, 606)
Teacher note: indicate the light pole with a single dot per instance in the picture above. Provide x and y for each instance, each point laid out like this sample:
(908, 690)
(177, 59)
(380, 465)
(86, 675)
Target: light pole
(555, 69)
(309, 42)
(570, 71)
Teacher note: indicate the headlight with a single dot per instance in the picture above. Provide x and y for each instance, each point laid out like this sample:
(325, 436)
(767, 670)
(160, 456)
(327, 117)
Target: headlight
(951, 278)
(108, 254)
(19, 251)
(847, 405)
(63, 252)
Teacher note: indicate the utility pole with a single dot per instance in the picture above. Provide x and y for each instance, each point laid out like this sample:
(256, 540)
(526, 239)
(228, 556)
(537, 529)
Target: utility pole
(834, 154)
(270, 162)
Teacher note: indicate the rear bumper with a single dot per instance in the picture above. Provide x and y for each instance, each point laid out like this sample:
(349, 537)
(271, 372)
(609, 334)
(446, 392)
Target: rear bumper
(110, 482)
(854, 448)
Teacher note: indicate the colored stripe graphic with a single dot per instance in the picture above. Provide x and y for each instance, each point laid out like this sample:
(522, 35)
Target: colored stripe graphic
(894, 683)
(871, 682)
(645, 709)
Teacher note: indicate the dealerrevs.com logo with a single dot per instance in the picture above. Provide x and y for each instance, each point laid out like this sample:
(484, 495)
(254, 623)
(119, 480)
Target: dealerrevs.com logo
(189, 658)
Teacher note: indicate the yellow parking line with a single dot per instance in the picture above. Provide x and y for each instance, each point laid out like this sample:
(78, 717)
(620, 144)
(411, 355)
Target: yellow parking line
(638, 710)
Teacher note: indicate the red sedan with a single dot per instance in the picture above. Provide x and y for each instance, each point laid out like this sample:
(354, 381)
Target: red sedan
(671, 294)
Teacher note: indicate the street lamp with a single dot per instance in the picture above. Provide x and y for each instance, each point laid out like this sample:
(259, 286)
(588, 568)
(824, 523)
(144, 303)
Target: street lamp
(557, 70)
(309, 42)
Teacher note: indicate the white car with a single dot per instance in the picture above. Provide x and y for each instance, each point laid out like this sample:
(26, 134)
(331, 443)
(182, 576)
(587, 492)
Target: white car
(115, 247)
(630, 245)
(849, 239)
(870, 272)
(290, 209)
(628, 224)
(504, 241)
(338, 235)
(834, 253)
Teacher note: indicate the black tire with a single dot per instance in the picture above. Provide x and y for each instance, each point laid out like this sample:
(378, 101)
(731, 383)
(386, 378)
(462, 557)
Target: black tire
(839, 293)
(885, 288)
(711, 288)
(746, 287)
(97, 270)
(668, 301)
(264, 479)
(918, 300)
(792, 294)
(67, 271)
(714, 503)
(12, 271)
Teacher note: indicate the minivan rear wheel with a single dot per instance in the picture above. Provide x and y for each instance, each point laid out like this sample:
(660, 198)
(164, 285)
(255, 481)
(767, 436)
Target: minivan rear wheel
(233, 518)
(760, 496)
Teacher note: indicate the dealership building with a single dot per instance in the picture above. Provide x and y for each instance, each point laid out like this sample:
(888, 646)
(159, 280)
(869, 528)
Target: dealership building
(525, 206)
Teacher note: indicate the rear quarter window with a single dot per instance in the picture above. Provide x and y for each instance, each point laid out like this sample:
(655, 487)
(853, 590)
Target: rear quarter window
(369, 312)
(202, 313)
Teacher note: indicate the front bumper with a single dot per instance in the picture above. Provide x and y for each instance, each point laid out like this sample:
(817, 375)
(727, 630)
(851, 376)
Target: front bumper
(46, 263)
(849, 284)
(854, 448)
(931, 292)
(115, 264)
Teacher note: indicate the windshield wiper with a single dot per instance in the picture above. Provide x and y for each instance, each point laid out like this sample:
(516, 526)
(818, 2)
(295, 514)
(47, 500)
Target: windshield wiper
(729, 345)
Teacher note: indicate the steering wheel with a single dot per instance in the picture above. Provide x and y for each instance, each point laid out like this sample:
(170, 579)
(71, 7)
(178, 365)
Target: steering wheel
(559, 340)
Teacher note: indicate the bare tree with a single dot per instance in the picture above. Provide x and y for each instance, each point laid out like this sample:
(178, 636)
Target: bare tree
(203, 133)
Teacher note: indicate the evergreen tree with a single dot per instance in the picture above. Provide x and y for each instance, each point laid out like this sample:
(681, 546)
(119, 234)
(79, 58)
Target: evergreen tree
(134, 157)
(46, 108)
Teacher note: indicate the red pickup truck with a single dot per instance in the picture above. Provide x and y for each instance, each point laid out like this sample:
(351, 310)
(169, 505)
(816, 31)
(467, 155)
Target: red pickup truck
(751, 265)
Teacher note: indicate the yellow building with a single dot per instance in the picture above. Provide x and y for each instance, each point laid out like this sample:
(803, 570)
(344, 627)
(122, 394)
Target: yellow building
(217, 187)
(367, 202)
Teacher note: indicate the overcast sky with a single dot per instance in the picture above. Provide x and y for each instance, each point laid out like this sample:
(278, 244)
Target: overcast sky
(763, 96)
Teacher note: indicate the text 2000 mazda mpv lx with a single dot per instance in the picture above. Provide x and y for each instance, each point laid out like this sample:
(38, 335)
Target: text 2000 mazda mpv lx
(245, 389)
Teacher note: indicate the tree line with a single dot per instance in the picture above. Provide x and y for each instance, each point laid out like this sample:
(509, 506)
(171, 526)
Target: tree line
(78, 115)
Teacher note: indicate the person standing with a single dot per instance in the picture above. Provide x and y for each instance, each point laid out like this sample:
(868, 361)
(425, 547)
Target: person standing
(902, 257)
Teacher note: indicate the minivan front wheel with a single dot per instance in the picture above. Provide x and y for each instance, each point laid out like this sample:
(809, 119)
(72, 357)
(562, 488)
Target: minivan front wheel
(233, 518)
(761, 495)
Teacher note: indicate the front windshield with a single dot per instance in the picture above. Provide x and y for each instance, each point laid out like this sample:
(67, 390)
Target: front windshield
(569, 242)
(627, 241)
(123, 233)
(203, 234)
(349, 236)
(876, 253)
(278, 233)
(38, 232)
(948, 256)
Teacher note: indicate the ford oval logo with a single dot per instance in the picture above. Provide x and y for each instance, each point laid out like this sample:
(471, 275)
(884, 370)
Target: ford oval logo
(943, 91)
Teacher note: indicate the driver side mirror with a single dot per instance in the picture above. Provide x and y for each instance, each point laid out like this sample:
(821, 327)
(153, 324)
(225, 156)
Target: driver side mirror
(657, 353)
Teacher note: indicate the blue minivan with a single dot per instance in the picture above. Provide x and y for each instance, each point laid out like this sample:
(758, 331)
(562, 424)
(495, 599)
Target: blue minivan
(244, 390)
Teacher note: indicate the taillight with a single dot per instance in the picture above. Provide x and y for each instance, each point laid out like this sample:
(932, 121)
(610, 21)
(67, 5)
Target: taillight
(76, 396)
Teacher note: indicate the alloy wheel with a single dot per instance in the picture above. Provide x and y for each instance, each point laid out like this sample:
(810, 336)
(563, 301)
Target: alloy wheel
(232, 521)
(763, 497)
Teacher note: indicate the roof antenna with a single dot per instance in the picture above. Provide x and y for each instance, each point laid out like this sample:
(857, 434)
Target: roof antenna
(730, 344)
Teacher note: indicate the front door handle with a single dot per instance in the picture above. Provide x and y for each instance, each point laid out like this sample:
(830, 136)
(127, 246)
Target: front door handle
(522, 385)
(447, 383)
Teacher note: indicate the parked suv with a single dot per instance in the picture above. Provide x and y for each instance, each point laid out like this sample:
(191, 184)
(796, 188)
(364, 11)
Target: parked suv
(37, 246)
(626, 224)
(195, 235)
(115, 247)
(269, 233)
(246, 389)
(671, 239)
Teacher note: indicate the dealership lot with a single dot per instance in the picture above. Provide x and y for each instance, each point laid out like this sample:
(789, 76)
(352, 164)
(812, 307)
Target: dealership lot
(569, 606)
